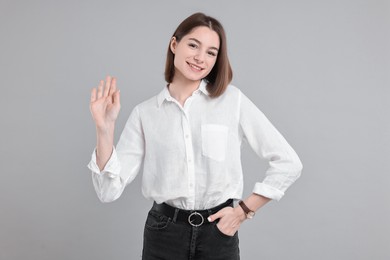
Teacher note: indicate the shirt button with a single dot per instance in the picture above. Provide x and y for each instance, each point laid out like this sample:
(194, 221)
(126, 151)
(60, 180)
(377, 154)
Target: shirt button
(189, 160)
(187, 136)
(112, 176)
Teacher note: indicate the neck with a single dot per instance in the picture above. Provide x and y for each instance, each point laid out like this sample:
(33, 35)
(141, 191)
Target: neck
(181, 88)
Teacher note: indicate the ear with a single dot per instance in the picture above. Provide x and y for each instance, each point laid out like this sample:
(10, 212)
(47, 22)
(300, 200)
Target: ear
(173, 44)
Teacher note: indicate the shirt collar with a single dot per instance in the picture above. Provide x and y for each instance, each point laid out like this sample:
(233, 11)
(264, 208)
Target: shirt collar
(165, 95)
(202, 87)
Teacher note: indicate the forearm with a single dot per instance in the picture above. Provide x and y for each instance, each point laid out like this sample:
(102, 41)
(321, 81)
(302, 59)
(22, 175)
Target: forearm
(256, 201)
(231, 218)
(105, 142)
(253, 202)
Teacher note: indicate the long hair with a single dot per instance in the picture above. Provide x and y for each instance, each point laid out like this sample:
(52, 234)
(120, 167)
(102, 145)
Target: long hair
(221, 74)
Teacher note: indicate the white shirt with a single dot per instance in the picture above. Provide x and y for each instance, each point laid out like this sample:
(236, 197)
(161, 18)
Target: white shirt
(191, 155)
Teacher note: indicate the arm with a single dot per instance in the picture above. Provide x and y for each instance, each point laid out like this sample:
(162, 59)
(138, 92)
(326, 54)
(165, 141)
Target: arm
(284, 165)
(104, 145)
(124, 163)
(104, 107)
(113, 168)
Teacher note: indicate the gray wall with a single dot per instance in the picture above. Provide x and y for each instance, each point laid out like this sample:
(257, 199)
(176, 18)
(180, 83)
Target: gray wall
(318, 69)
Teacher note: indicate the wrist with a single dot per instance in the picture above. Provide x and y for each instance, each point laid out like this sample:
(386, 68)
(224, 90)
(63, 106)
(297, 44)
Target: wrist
(240, 213)
(249, 213)
(106, 129)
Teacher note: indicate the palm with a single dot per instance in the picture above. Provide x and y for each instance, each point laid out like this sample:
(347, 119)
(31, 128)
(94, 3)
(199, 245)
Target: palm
(105, 104)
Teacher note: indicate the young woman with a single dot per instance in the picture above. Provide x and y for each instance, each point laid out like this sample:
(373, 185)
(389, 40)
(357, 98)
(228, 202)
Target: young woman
(188, 138)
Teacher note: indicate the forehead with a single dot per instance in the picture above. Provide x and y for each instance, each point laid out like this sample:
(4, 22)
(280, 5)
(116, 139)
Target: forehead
(205, 35)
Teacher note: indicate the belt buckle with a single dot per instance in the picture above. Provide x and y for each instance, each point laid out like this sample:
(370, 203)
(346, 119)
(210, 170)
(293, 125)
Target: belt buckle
(192, 217)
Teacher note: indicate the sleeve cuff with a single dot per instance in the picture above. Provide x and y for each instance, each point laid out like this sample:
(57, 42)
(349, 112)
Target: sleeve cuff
(112, 167)
(268, 191)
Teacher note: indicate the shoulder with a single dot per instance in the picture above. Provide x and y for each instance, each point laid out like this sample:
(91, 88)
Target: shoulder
(244, 101)
(232, 90)
(231, 93)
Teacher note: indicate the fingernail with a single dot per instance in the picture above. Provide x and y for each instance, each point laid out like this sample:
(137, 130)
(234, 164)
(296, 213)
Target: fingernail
(209, 219)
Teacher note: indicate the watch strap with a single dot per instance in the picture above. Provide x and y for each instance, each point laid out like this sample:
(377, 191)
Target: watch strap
(249, 213)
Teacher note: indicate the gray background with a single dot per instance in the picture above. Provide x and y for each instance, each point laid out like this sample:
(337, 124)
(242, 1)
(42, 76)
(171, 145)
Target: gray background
(318, 69)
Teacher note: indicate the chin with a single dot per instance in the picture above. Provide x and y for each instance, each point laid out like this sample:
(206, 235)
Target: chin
(193, 77)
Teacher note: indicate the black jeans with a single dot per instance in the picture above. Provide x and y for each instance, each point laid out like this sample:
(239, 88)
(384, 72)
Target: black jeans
(167, 238)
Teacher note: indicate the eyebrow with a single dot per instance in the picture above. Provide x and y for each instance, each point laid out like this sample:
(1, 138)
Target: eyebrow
(198, 42)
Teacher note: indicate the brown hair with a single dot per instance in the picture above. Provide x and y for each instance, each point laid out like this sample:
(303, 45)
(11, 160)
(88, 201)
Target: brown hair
(221, 74)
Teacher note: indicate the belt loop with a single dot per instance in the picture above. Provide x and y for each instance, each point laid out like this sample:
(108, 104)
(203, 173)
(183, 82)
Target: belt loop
(210, 213)
(175, 215)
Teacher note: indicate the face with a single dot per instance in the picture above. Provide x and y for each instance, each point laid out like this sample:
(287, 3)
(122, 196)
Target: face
(195, 54)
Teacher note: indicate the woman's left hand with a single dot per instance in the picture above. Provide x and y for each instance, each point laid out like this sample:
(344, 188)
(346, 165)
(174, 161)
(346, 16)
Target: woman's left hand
(230, 219)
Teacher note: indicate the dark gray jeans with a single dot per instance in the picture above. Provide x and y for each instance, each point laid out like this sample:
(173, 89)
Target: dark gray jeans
(170, 239)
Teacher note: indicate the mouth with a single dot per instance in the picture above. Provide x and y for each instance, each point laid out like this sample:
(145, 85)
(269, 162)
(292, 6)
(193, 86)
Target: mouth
(194, 67)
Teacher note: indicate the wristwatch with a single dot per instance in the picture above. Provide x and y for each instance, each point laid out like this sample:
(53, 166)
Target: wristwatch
(249, 213)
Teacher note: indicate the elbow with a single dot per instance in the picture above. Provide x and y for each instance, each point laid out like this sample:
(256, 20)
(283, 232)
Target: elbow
(298, 167)
(106, 199)
(294, 167)
(109, 189)
(107, 196)
(296, 163)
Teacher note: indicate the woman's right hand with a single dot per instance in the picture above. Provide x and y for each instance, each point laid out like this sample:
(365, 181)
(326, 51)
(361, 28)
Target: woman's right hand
(105, 103)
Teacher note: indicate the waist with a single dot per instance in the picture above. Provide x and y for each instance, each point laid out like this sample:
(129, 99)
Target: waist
(192, 217)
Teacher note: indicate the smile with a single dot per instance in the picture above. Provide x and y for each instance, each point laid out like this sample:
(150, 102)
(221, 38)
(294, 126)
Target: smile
(195, 67)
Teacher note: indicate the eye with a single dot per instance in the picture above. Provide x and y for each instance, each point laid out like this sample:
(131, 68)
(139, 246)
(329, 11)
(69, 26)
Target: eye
(212, 53)
(193, 45)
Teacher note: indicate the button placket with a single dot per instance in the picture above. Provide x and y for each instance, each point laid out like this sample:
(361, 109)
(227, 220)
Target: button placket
(189, 157)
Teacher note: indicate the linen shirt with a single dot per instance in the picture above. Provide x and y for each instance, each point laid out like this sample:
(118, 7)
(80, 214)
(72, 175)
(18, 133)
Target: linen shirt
(191, 154)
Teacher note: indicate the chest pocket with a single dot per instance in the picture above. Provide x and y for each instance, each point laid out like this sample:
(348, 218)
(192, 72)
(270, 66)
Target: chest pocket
(214, 141)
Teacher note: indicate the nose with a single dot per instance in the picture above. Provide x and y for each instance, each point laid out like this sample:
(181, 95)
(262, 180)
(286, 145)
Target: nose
(199, 57)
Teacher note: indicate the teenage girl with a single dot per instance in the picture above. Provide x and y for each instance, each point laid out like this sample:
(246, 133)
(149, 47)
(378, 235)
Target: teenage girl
(188, 138)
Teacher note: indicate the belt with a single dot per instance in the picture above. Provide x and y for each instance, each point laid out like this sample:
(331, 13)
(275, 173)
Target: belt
(195, 218)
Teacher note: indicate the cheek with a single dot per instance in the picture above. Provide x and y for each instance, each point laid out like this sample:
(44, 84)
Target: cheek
(178, 59)
(212, 64)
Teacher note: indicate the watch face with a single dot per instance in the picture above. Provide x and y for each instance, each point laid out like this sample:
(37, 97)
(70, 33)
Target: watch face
(251, 214)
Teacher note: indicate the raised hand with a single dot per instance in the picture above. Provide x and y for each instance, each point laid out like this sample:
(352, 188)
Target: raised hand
(105, 103)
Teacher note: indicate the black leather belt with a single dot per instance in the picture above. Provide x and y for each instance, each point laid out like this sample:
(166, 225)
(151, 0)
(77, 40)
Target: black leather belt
(195, 218)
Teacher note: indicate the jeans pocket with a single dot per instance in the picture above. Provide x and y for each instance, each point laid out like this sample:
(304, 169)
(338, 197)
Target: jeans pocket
(221, 234)
(214, 141)
(157, 221)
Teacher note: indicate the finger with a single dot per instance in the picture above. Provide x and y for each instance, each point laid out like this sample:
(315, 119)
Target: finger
(113, 86)
(108, 84)
(116, 97)
(215, 216)
(100, 89)
(93, 95)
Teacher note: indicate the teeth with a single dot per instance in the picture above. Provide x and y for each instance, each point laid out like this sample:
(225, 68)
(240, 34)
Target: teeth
(195, 67)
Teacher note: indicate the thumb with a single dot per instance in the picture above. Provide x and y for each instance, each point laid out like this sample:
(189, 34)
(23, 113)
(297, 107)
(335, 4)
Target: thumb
(215, 216)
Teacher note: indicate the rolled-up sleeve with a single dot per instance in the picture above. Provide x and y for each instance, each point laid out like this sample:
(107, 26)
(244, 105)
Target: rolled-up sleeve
(123, 164)
(267, 142)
